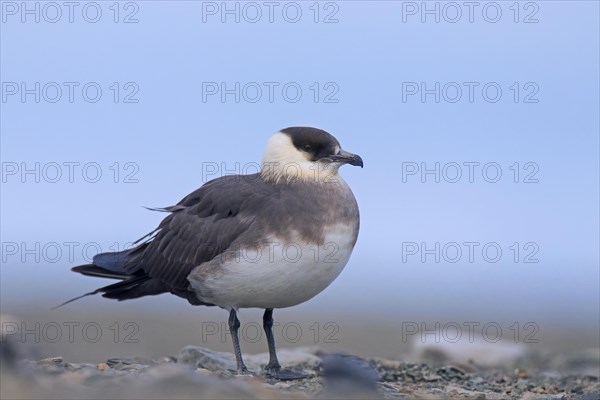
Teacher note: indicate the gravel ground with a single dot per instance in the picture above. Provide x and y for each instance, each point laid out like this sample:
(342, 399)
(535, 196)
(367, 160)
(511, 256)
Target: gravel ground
(198, 372)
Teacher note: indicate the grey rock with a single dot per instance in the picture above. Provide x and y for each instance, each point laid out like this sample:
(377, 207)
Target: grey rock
(349, 377)
(215, 361)
(51, 361)
(113, 362)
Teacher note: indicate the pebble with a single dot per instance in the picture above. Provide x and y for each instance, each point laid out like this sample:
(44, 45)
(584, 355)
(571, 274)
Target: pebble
(198, 372)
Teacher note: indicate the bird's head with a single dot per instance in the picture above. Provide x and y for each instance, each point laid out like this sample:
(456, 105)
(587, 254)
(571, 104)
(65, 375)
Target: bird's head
(302, 153)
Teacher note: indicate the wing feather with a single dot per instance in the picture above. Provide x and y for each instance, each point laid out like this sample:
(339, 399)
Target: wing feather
(202, 226)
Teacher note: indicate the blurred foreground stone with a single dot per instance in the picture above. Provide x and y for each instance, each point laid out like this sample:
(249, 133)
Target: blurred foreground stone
(202, 373)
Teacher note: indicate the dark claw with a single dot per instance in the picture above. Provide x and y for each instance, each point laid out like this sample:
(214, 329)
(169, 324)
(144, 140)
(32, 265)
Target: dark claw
(244, 371)
(272, 367)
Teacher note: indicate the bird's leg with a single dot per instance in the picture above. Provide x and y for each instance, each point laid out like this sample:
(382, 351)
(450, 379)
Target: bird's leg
(234, 325)
(273, 364)
(273, 368)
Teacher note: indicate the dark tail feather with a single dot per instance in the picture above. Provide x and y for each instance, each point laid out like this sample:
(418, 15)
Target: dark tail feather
(76, 298)
(122, 265)
(166, 209)
(113, 261)
(131, 288)
(94, 270)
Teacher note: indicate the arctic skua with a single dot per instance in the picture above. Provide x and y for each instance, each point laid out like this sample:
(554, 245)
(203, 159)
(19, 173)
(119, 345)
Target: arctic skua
(268, 240)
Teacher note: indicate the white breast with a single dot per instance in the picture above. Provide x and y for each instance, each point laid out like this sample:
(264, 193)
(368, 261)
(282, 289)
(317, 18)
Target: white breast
(280, 274)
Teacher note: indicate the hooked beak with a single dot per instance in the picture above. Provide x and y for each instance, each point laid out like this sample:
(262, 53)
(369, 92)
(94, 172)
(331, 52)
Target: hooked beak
(346, 157)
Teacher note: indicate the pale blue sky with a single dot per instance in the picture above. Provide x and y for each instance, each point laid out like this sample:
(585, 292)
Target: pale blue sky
(365, 58)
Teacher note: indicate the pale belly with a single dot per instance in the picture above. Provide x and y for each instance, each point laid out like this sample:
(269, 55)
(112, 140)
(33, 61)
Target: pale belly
(277, 275)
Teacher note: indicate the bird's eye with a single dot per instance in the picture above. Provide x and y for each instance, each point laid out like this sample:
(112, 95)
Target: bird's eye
(307, 147)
